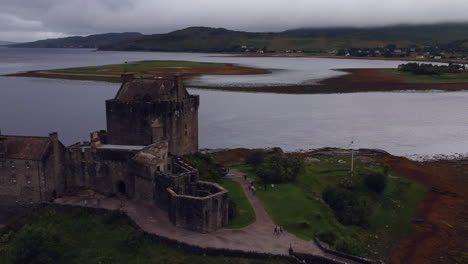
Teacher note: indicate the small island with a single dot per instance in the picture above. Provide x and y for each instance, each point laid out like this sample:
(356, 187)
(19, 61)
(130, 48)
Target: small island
(143, 69)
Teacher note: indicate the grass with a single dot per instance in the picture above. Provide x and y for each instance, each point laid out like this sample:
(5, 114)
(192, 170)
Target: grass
(299, 209)
(413, 78)
(116, 69)
(89, 238)
(245, 214)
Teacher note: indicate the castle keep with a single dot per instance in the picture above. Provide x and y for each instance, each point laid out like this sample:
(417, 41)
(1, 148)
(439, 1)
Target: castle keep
(150, 123)
(146, 111)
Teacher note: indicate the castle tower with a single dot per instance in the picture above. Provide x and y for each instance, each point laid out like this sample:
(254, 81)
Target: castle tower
(146, 111)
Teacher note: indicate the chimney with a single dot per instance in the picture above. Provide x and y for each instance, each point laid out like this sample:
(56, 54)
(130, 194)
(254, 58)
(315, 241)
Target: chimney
(126, 77)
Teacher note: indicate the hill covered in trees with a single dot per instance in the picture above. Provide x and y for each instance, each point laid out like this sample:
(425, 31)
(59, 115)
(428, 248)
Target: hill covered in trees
(91, 41)
(205, 39)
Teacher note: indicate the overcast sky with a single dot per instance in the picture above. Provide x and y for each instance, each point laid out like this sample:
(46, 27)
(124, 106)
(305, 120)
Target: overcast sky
(26, 20)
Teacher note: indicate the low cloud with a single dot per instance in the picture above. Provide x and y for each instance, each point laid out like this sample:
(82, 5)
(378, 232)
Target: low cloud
(24, 20)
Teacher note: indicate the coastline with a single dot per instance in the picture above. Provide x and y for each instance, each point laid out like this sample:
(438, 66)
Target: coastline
(355, 81)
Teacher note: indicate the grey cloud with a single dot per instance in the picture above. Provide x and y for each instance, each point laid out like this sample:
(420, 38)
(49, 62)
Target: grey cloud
(36, 18)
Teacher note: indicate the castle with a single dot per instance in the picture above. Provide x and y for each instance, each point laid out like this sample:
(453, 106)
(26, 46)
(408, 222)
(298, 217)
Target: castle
(150, 124)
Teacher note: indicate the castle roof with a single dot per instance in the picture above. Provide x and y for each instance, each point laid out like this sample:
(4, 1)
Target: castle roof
(25, 148)
(148, 90)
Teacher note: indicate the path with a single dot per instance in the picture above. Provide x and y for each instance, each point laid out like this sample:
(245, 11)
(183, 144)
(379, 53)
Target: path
(256, 237)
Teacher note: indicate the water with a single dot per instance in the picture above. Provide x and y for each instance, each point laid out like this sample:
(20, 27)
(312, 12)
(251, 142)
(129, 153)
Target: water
(405, 124)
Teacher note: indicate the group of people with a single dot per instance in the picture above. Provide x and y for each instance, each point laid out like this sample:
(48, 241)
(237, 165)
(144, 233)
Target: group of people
(278, 230)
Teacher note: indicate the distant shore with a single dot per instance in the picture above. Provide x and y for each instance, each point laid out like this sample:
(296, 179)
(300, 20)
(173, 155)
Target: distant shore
(306, 55)
(355, 80)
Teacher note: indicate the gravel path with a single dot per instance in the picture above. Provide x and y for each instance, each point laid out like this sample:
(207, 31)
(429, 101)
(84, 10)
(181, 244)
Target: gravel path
(256, 237)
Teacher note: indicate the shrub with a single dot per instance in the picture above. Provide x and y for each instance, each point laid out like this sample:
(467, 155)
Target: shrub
(348, 247)
(375, 182)
(328, 237)
(133, 241)
(208, 169)
(255, 158)
(349, 209)
(38, 246)
(279, 169)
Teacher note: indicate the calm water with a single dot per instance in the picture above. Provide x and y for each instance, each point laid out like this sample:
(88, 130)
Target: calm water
(402, 123)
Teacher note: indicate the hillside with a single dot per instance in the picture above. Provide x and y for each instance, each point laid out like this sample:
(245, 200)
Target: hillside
(201, 39)
(204, 39)
(4, 43)
(92, 41)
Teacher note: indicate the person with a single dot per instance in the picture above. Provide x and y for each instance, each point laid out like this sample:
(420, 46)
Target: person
(281, 229)
(275, 232)
(85, 202)
(245, 177)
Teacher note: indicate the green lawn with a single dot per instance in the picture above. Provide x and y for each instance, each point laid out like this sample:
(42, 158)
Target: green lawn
(76, 236)
(443, 78)
(114, 69)
(299, 209)
(245, 214)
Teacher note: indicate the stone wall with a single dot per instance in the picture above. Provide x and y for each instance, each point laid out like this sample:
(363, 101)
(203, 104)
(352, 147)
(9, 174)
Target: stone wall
(100, 169)
(200, 213)
(20, 181)
(133, 123)
(27, 181)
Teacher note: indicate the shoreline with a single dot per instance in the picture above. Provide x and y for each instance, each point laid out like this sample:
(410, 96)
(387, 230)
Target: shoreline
(356, 80)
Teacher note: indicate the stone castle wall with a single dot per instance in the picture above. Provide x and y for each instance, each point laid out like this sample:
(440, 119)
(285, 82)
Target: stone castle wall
(27, 181)
(132, 123)
(103, 170)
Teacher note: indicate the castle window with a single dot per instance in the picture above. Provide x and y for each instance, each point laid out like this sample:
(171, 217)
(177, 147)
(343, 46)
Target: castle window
(28, 179)
(158, 168)
(13, 178)
(168, 166)
(28, 166)
(12, 164)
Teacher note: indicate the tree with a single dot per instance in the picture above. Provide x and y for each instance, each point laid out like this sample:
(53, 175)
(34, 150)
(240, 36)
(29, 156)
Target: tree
(271, 170)
(293, 167)
(255, 158)
(38, 246)
(375, 182)
(278, 169)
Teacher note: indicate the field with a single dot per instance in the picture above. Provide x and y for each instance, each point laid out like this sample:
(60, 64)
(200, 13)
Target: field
(299, 208)
(76, 236)
(413, 78)
(245, 214)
